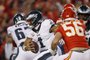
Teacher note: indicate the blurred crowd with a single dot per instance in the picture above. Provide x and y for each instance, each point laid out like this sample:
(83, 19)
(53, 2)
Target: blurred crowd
(50, 9)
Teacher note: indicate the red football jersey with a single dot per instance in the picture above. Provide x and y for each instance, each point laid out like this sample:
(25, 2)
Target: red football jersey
(73, 33)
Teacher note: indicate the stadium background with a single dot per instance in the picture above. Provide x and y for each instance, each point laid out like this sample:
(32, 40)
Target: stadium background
(50, 8)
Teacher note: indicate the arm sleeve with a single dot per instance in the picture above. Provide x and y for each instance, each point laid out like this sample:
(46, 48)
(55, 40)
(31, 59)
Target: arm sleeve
(8, 31)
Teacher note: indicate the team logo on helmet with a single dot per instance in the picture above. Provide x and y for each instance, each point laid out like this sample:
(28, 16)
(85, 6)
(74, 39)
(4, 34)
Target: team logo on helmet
(18, 17)
(84, 9)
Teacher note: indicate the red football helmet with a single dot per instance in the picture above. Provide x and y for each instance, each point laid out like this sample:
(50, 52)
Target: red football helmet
(69, 5)
(68, 13)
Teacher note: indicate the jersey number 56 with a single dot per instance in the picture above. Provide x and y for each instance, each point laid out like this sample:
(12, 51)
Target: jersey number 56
(76, 28)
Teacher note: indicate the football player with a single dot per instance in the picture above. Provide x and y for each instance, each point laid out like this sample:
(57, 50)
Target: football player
(72, 31)
(84, 14)
(43, 28)
(20, 32)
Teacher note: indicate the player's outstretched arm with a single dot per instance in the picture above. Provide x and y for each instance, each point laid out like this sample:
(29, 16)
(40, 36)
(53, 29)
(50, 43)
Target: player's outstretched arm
(56, 40)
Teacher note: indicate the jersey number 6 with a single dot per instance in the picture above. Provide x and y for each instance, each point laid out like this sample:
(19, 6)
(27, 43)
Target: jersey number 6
(19, 34)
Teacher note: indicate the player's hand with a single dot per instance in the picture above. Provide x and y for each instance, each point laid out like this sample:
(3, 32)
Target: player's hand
(30, 45)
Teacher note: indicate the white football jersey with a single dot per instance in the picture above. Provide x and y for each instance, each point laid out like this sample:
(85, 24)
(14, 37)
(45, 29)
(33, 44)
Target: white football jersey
(45, 35)
(20, 32)
(46, 40)
(44, 29)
